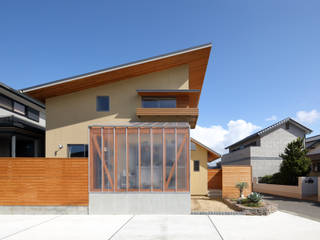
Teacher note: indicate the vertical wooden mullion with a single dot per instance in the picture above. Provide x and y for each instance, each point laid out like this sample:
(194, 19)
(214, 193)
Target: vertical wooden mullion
(151, 162)
(139, 158)
(176, 160)
(163, 161)
(102, 159)
(114, 160)
(127, 161)
(188, 159)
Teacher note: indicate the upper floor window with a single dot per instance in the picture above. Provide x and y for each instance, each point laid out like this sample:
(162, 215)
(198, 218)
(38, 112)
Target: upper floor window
(6, 102)
(19, 108)
(103, 104)
(152, 102)
(33, 114)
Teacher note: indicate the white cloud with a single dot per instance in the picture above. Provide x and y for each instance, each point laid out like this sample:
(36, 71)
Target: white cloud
(308, 117)
(217, 137)
(272, 118)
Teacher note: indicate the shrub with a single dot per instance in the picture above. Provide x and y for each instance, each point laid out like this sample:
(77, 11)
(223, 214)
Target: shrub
(254, 197)
(241, 186)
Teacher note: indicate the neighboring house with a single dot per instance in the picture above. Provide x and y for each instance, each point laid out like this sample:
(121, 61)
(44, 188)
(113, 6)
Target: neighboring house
(133, 122)
(261, 150)
(22, 124)
(201, 155)
(313, 146)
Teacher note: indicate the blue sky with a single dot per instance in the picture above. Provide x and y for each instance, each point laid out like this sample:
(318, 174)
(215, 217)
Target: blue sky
(264, 62)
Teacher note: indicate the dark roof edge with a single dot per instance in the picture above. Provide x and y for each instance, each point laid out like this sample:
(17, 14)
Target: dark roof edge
(169, 90)
(267, 129)
(313, 138)
(116, 67)
(22, 95)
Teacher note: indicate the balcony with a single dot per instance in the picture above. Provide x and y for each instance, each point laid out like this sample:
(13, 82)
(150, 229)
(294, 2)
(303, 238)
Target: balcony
(182, 114)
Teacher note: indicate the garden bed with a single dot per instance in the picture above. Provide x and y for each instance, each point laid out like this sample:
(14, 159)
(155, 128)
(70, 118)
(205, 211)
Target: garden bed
(262, 209)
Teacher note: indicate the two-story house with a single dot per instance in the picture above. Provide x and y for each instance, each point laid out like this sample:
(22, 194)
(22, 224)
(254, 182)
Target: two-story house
(133, 122)
(313, 146)
(22, 124)
(261, 150)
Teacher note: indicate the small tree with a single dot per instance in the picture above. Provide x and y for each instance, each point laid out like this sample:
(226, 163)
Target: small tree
(295, 162)
(241, 186)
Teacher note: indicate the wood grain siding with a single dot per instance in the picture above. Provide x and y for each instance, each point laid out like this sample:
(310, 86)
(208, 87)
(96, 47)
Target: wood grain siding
(214, 178)
(44, 181)
(196, 59)
(231, 175)
(167, 112)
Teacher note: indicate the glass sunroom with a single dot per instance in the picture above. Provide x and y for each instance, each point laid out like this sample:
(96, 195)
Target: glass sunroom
(139, 157)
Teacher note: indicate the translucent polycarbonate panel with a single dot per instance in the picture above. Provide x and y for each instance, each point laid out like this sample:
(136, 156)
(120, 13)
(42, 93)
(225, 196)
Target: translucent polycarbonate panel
(121, 159)
(108, 151)
(133, 155)
(145, 165)
(95, 159)
(170, 159)
(157, 173)
(182, 156)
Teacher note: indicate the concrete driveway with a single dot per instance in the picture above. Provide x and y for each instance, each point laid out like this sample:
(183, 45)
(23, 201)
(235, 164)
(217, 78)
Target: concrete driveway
(276, 226)
(303, 208)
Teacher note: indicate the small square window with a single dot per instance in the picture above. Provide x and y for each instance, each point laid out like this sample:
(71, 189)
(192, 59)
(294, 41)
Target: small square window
(103, 104)
(196, 165)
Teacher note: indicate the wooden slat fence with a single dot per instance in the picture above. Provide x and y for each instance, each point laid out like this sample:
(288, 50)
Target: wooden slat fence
(44, 181)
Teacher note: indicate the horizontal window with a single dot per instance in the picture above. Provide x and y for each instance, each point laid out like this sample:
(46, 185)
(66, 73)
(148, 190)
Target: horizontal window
(103, 104)
(33, 114)
(77, 150)
(5, 102)
(19, 108)
(150, 102)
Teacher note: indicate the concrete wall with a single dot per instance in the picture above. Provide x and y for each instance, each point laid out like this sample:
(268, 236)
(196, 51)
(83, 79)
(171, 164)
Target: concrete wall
(265, 166)
(139, 203)
(240, 157)
(199, 180)
(280, 190)
(309, 188)
(74, 210)
(69, 116)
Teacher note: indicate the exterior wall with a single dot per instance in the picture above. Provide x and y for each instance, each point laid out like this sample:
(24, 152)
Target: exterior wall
(315, 150)
(264, 159)
(240, 157)
(280, 190)
(69, 116)
(4, 112)
(264, 166)
(231, 175)
(214, 178)
(141, 203)
(199, 180)
(44, 182)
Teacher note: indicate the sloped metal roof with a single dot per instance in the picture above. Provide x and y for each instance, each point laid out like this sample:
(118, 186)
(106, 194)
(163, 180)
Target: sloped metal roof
(271, 128)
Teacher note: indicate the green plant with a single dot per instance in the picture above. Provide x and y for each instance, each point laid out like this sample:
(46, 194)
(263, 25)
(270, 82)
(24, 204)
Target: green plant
(241, 186)
(254, 197)
(295, 162)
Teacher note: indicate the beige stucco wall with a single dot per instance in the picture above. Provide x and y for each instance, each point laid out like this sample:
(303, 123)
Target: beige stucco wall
(199, 180)
(69, 116)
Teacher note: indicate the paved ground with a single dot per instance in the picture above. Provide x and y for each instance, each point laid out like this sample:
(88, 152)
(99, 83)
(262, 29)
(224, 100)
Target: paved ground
(205, 204)
(302, 208)
(278, 225)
